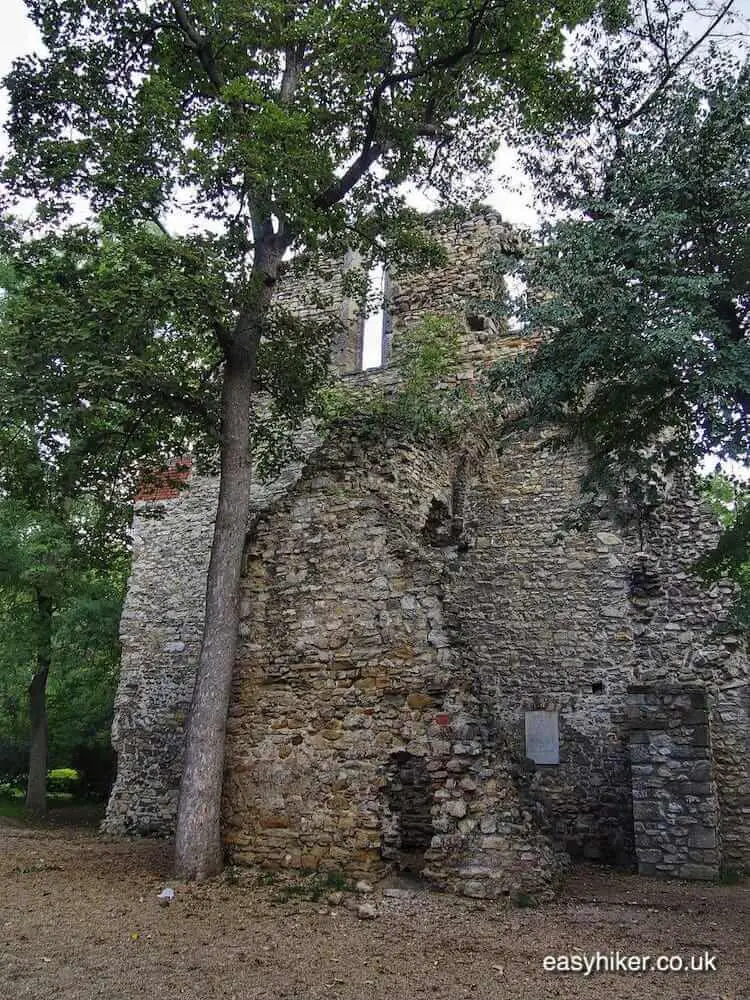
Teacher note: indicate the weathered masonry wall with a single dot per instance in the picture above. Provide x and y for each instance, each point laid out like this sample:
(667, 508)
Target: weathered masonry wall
(160, 632)
(163, 616)
(314, 290)
(458, 287)
(534, 604)
(675, 807)
(352, 710)
(681, 641)
(566, 622)
(434, 672)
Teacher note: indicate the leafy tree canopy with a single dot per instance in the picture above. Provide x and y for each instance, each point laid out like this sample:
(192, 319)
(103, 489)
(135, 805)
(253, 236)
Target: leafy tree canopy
(240, 113)
(62, 528)
(644, 291)
(58, 617)
(83, 671)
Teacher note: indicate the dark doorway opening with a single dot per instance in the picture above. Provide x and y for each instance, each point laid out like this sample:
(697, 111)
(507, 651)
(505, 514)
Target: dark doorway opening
(409, 829)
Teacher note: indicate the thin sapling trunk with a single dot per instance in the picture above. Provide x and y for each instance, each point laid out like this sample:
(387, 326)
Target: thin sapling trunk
(36, 791)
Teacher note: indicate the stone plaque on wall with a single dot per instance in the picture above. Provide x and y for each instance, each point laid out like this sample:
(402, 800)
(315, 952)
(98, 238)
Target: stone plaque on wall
(543, 737)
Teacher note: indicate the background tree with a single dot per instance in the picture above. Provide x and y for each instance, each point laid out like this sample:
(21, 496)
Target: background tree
(70, 442)
(16, 667)
(81, 669)
(623, 75)
(34, 564)
(275, 127)
(647, 295)
(57, 550)
(730, 501)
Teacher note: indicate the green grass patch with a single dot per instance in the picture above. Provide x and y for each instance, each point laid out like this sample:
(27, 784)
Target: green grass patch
(63, 781)
(63, 774)
(62, 787)
(312, 886)
(10, 791)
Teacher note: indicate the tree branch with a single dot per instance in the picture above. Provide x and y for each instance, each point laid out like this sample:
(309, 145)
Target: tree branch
(672, 69)
(340, 188)
(199, 44)
(293, 57)
(371, 150)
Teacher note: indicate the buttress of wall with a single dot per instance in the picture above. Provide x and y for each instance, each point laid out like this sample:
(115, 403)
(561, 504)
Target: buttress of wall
(160, 632)
(347, 685)
(564, 621)
(682, 640)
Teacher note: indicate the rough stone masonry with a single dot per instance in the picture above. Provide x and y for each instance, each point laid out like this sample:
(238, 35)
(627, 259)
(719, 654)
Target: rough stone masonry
(433, 673)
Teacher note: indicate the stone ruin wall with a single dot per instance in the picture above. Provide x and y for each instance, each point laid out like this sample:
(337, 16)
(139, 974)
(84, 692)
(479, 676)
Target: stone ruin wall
(383, 679)
(160, 635)
(574, 622)
(163, 615)
(455, 289)
(677, 820)
(348, 683)
(533, 603)
(458, 287)
(314, 290)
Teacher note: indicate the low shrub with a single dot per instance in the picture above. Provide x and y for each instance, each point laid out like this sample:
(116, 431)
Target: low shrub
(63, 781)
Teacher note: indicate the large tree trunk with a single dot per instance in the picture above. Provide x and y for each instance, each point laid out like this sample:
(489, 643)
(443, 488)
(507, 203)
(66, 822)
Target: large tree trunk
(36, 790)
(198, 853)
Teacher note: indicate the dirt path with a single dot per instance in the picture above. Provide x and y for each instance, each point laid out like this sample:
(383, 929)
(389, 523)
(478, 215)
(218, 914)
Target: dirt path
(79, 919)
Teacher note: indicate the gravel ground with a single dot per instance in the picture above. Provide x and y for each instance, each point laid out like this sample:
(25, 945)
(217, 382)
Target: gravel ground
(80, 919)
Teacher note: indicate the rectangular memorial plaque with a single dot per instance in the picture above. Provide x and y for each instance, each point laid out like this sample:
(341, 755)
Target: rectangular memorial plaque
(543, 737)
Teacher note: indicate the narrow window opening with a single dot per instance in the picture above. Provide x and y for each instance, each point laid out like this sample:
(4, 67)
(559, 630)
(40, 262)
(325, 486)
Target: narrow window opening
(347, 351)
(387, 330)
(376, 316)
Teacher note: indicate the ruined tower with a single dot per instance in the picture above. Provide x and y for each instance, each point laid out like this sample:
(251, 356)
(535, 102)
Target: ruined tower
(468, 703)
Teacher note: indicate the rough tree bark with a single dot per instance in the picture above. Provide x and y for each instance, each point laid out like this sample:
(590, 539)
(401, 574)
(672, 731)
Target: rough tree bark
(198, 851)
(36, 790)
